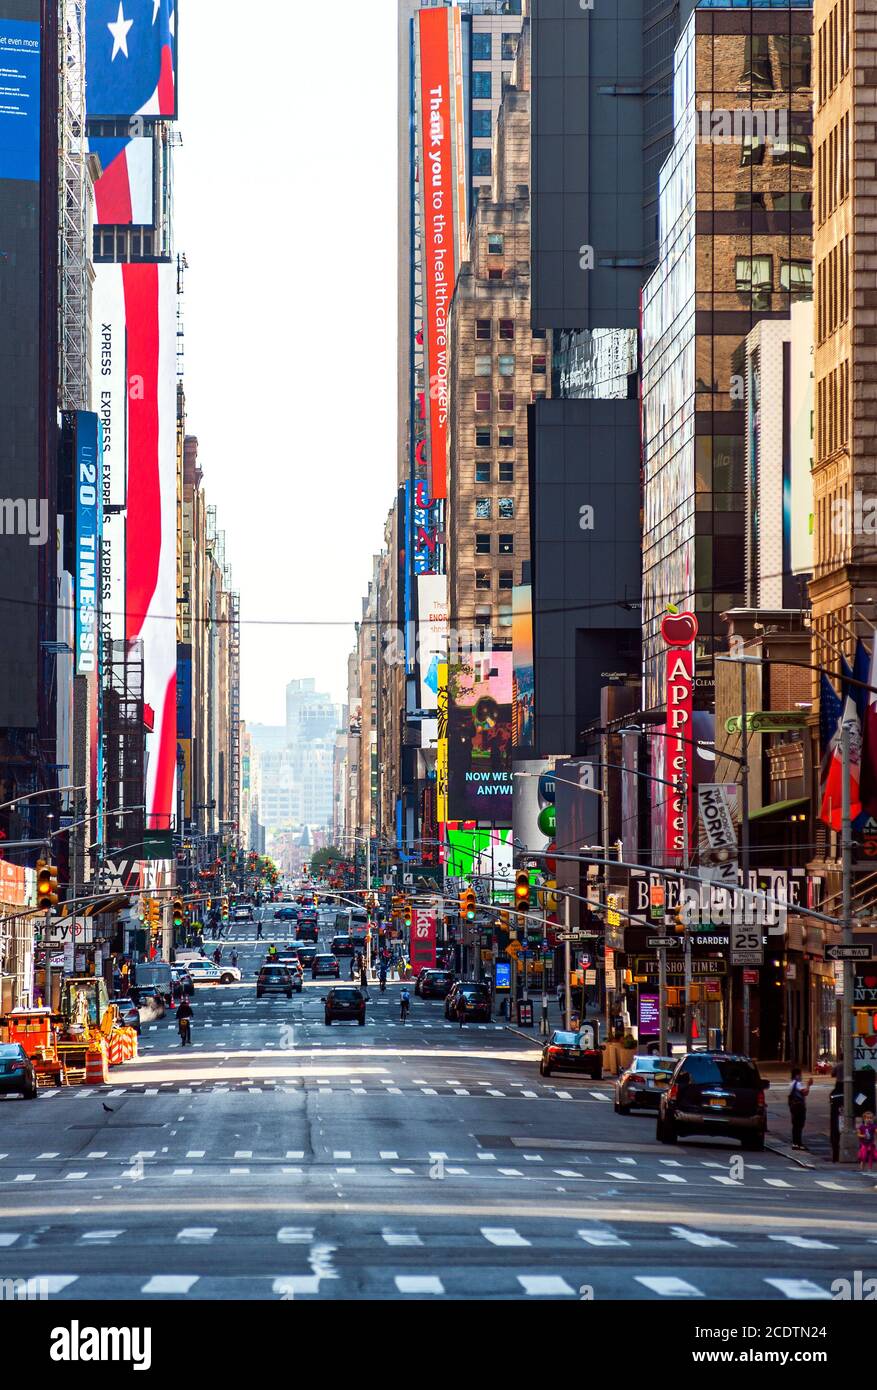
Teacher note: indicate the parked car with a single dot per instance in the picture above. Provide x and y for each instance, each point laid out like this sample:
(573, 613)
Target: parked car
(205, 972)
(469, 999)
(274, 979)
(641, 1085)
(714, 1093)
(434, 984)
(325, 965)
(571, 1052)
(345, 1002)
(342, 945)
(17, 1073)
(129, 1014)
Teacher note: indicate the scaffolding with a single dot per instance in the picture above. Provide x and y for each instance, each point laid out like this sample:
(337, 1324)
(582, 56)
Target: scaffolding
(74, 382)
(234, 781)
(125, 737)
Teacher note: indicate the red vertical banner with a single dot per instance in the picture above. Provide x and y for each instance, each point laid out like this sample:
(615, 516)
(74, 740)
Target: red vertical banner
(437, 121)
(422, 940)
(679, 631)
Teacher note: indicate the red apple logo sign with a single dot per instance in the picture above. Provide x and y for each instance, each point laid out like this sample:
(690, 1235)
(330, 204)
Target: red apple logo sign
(679, 629)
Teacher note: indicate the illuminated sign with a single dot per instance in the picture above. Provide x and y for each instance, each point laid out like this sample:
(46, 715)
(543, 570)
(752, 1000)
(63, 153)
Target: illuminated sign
(679, 631)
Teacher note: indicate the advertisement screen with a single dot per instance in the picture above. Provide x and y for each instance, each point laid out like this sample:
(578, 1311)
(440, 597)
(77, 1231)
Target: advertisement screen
(24, 521)
(422, 940)
(479, 738)
(523, 693)
(124, 193)
(89, 519)
(109, 375)
(131, 59)
(150, 552)
(432, 633)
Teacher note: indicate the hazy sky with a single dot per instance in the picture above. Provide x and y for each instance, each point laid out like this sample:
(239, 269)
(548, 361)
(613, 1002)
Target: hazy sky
(285, 202)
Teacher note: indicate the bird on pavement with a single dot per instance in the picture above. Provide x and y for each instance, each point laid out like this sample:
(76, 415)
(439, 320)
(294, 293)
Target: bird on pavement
(109, 1109)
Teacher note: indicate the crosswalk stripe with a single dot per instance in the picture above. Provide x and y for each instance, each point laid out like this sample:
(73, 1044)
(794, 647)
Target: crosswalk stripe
(803, 1242)
(170, 1283)
(601, 1238)
(194, 1234)
(545, 1286)
(798, 1288)
(419, 1283)
(8, 1238)
(672, 1177)
(699, 1238)
(503, 1235)
(622, 1177)
(400, 1237)
(295, 1235)
(777, 1182)
(668, 1286)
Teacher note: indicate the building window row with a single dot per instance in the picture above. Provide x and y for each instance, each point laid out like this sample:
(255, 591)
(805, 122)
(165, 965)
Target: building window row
(754, 276)
(484, 472)
(832, 291)
(484, 401)
(484, 508)
(833, 169)
(795, 151)
(794, 55)
(505, 437)
(484, 543)
(833, 49)
(484, 579)
(505, 329)
(832, 410)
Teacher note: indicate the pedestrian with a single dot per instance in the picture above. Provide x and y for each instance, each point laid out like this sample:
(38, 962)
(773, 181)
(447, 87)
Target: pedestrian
(866, 1132)
(798, 1094)
(217, 955)
(405, 1002)
(234, 958)
(259, 930)
(363, 977)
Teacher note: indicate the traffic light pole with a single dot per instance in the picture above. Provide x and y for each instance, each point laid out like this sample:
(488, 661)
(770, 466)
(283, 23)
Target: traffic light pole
(567, 968)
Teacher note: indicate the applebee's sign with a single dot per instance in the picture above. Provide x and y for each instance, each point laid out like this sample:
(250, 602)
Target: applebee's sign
(679, 631)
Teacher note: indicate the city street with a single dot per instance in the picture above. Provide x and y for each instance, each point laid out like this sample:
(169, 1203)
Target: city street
(279, 1158)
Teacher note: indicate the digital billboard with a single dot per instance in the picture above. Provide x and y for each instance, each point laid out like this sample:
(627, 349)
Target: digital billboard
(131, 59)
(480, 738)
(438, 153)
(523, 686)
(432, 633)
(24, 515)
(88, 509)
(151, 542)
(124, 195)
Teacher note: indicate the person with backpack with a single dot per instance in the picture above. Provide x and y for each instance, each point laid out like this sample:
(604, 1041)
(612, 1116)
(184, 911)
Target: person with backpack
(405, 1004)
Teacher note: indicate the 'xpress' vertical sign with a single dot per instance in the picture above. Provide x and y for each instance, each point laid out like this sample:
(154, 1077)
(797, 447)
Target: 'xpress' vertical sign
(87, 492)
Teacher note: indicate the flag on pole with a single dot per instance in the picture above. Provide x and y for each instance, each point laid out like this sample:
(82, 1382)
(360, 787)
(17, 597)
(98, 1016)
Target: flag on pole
(868, 782)
(833, 714)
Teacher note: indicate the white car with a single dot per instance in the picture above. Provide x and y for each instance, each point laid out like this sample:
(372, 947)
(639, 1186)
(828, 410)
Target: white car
(205, 972)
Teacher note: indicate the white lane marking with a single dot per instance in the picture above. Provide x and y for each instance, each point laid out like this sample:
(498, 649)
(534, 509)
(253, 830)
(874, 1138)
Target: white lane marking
(622, 1177)
(97, 1153)
(510, 1172)
(777, 1182)
(625, 1160)
(170, 1283)
(9, 1238)
(295, 1153)
(485, 1157)
(456, 1172)
(55, 1283)
(295, 1235)
(833, 1186)
(599, 1095)
(196, 1234)
(601, 1238)
(341, 1153)
(243, 1153)
(195, 1153)
(545, 1286)
(182, 1172)
(25, 1177)
(668, 1286)
(566, 1173)
(562, 1095)
(389, 1153)
(419, 1283)
(437, 1153)
(503, 1235)
(534, 1158)
(700, 1238)
(460, 1091)
(672, 1177)
(392, 1237)
(803, 1242)
(670, 1162)
(238, 1172)
(798, 1288)
(531, 1095)
(47, 1155)
(725, 1181)
(402, 1170)
(100, 1237)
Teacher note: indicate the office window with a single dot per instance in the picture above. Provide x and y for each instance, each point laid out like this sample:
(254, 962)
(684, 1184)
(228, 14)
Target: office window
(506, 579)
(756, 64)
(509, 46)
(482, 509)
(482, 124)
(507, 472)
(507, 437)
(539, 366)
(482, 163)
(506, 509)
(538, 332)
(507, 329)
(506, 543)
(482, 47)
(482, 402)
(507, 364)
(506, 400)
(483, 366)
(482, 613)
(795, 64)
(482, 439)
(482, 579)
(797, 277)
(494, 274)
(505, 615)
(754, 273)
(792, 202)
(482, 472)
(495, 243)
(483, 328)
(751, 151)
(797, 151)
(482, 544)
(482, 86)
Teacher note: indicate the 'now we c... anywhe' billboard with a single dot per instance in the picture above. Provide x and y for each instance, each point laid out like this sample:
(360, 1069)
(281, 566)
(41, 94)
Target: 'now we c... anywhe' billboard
(441, 161)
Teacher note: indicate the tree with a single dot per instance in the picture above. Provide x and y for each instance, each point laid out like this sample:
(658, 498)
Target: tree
(325, 858)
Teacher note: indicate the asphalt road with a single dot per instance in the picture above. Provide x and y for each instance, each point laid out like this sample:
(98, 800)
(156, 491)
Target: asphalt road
(277, 1158)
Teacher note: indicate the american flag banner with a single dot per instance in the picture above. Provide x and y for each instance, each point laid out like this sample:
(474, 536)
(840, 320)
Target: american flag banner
(151, 538)
(123, 194)
(131, 59)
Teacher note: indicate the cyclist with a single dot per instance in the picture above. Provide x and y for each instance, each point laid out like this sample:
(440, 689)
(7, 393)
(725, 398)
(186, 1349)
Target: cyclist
(383, 976)
(184, 1021)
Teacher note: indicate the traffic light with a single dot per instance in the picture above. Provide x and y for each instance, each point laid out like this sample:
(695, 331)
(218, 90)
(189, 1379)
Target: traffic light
(152, 914)
(178, 914)
(503, 921)
(674, 919)
(522, 891)
(468, 905)
(47, 884)
(613, 916)
(407, 913)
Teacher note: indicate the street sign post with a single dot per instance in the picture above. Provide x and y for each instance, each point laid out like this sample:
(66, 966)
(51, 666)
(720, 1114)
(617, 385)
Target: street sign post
(662, 943)
(747, 945)
(849, 952)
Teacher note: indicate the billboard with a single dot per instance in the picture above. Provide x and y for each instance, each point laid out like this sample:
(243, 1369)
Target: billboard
(441, 748)
(88, 510)
(23, 511)
(109, 375)
(124, 195)
(533, 794)
(480, 738)
(150, 532)
(432, 632)
(523, 686)
(679, 631)
(440, 194)
(131, 59)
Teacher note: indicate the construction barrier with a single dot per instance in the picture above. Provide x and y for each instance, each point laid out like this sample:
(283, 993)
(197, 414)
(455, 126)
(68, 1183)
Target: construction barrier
(96, 1068)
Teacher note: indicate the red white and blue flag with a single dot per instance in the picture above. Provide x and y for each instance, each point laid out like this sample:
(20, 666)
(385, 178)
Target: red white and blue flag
(868, 785)
(124, 192)
(130, 59)
(833, 714)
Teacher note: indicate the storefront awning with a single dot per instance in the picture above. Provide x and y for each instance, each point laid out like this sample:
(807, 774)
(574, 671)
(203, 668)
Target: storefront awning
(778, 807)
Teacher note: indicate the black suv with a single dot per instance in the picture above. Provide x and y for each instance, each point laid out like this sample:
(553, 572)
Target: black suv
(345, 1001)
(274, 979)
(714, 1093)
(468, 1000)
(434, 984)
(342, 945)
